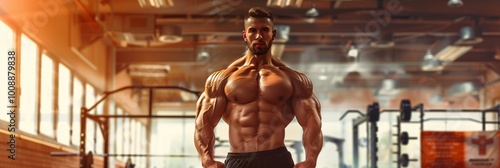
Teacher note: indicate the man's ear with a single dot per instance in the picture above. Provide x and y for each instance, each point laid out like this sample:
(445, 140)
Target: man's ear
(274, 33)
(244, 34)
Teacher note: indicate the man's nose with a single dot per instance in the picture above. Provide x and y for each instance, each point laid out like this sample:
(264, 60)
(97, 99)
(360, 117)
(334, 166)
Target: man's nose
(259, 35)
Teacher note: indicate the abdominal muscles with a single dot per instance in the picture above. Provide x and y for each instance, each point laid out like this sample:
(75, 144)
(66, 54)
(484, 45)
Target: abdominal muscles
(252, 127)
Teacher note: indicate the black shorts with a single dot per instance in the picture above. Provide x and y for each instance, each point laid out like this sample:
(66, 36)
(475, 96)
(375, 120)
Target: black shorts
(276, 158)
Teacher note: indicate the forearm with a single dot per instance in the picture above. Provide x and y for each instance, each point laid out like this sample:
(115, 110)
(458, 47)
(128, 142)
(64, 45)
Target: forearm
(312, 140)
(204, 142)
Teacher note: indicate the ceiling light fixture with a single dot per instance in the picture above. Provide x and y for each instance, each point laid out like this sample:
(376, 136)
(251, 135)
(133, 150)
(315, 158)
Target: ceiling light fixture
(156, 3)
(312, 12)
(452, 52)
(169, 34)
(203, 56)
(285, 3)
(148, 70)
(353, 52)
(470, 35)
(430, 63)
(455, 3)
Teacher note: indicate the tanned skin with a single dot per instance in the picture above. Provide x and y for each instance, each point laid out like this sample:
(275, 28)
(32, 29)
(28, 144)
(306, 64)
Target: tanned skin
(257, 96)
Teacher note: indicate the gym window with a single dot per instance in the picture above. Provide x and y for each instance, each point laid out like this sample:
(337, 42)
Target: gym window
(77, 104)
(6, 44)
(119, 134)
(47, 96)
(64, 103)
(28, 85)
(90, 130)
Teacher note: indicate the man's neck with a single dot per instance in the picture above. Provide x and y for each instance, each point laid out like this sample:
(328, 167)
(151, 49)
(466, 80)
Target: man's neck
(258, 60)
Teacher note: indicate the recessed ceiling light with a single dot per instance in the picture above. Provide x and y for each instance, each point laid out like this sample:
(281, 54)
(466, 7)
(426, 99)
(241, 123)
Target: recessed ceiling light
(455, 3)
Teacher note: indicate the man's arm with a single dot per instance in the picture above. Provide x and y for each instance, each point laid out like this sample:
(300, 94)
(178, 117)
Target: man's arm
(308, 115)
(209, 110)
(307, 110)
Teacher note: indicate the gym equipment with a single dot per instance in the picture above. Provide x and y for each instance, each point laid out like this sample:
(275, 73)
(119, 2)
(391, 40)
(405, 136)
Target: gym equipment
(340, 148)
(404, 138)
(89, 160)
(372, 116)
(373, 112)
(405, 110)
(103, 122)
(405, 160)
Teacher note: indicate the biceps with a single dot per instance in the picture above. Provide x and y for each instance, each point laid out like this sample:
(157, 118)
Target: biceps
(307, 111)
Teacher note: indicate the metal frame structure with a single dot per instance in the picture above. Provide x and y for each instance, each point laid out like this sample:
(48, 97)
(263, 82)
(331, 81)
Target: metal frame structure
(372, 128)
(103, 122)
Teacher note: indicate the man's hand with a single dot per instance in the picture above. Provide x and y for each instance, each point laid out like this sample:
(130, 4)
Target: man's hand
(305, 164)
(215, 164)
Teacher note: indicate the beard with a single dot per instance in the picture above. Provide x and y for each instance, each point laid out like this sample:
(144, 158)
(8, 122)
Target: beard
(260, 49)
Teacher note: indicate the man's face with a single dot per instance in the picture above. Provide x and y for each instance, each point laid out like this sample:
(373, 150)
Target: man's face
(259, 35)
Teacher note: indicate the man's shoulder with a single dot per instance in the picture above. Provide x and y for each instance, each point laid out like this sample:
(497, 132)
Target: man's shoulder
(217, 79)
(303, 86)
(295, 75)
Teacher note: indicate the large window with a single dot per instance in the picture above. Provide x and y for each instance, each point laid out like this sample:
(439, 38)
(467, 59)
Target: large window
(174, 141)
(47, 96)
(112, 131)
(28, 93)
(6, 44)
(119, 133)
(99, 137)
(126, 136)
(77, 105)
(90, 130)
(64, 103)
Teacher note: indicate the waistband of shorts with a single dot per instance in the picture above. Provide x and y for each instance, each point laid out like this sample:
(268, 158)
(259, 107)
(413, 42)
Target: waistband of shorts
(265, 153)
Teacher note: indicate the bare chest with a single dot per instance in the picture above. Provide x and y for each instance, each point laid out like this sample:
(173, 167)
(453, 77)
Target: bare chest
(248, 84)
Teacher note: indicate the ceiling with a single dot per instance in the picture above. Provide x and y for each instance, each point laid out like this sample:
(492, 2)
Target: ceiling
(317, 46)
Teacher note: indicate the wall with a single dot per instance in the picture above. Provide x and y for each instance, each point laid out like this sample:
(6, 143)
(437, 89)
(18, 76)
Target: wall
(30, 153)
(52, 24)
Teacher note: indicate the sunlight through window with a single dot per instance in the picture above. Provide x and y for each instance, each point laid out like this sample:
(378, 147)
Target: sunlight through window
(28, 93)
(64, 102)
(47, 96)
(6, 44)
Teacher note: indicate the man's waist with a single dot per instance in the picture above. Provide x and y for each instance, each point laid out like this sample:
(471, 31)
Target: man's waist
(263, 153)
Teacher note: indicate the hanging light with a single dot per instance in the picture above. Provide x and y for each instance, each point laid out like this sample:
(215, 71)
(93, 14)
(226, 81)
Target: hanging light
(353, 52)
(430, 63)
(312, 12)
(455, 3)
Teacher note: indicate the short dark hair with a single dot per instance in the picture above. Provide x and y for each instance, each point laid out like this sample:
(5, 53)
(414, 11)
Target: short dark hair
(259, 12)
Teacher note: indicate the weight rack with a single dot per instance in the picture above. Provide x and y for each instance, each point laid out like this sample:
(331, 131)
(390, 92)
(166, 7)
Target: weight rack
(372, 116)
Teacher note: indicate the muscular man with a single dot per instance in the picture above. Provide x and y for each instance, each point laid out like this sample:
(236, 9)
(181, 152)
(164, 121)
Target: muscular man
(258, 96)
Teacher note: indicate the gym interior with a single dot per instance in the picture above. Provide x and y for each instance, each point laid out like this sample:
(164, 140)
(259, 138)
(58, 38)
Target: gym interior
(114, 83)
